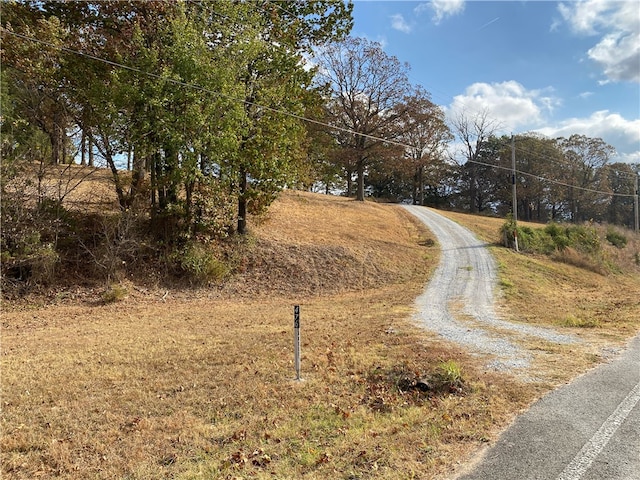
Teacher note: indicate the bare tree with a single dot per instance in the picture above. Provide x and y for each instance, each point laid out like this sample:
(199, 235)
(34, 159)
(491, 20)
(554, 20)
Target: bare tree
(472, 131)
(367, 90)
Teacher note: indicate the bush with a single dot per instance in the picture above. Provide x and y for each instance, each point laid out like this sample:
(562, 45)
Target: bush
(115, 293)
(578, 245)
(615, 238)
(43, 264)
(199, 264)
(584, 239)
(558, 235)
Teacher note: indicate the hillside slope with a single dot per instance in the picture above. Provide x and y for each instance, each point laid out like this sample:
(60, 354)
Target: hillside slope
(197, 382)
(566, 291)
(311, 244)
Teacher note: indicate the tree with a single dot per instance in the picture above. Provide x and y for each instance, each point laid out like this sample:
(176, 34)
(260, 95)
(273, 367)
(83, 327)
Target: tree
(620, 177)
(537, 160)
(426, 133)
(472, 131)
(321, 172)
(196, 94)
(584, 159)
(367, 90)
(36, 75)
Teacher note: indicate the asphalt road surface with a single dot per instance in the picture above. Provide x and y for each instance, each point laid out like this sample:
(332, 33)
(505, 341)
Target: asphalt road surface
(587, 430)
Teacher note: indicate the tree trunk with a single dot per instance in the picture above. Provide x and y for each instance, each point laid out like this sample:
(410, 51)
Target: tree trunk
(137, 176)
(90, 149)
(83, 148)
(421, 184)
(189, 187)
(473, 188)
(155, 191)
(169, 174)
(55, 147)
(122, 200)
(360, 186)
(242, 204)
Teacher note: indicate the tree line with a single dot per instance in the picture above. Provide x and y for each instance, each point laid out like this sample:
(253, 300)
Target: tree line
(204, 111)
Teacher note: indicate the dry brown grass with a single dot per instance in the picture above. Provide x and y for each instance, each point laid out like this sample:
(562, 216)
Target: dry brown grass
(90, 189)
(539, 290)
(603, 310)
(199, 384)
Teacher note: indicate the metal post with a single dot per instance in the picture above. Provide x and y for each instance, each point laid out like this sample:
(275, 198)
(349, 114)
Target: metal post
(515, 196)
(296, 340)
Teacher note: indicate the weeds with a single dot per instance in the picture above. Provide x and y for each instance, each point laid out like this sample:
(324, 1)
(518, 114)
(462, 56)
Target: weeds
(114, 293)
(616, 238)
(573, 321)
(577, 245)
(449, 375)
(199, 263)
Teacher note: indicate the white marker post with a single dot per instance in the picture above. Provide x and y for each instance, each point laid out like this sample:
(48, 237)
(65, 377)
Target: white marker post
(296, 339)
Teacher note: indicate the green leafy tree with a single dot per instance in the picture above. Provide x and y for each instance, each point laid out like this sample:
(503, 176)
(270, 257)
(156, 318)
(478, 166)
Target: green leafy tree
(203, 97)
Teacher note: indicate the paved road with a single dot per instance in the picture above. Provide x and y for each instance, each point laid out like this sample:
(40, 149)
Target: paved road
(587, 430)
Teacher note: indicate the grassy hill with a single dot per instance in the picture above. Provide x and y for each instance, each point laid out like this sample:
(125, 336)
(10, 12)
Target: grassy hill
(198, 383)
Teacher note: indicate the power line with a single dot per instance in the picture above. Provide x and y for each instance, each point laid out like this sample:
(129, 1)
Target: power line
(206, 90)
(284, 112)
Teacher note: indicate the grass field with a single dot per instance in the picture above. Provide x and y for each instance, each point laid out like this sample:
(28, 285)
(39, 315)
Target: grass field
(200, 383)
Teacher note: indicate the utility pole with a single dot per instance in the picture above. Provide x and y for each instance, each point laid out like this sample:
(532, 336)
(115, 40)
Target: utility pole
(515, 196)
(635, 204)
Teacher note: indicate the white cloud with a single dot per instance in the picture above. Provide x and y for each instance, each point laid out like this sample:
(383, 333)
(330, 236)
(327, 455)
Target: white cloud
(613, 128)
(619, 56)
(516, 109)
(618, 25)
(441, 8)
(399, 23)
(508, 102)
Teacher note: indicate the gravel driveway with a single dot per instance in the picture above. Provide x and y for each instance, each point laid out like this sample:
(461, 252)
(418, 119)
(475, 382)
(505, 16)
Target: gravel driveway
(458, 302)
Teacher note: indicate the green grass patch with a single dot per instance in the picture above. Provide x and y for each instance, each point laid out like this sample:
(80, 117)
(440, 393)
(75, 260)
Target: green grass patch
(576, 322)
(577, 245)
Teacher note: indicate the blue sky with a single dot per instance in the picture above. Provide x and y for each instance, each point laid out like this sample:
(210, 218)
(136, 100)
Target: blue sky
(557, 68)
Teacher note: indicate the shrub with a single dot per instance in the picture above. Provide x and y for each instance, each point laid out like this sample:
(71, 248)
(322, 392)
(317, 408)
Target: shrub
(115, 293)
(199, 263)
(507, 232)
(616, 238)
(553, 229)
(573, 321)
(583, 238)
(43, 264)
(578, 245)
